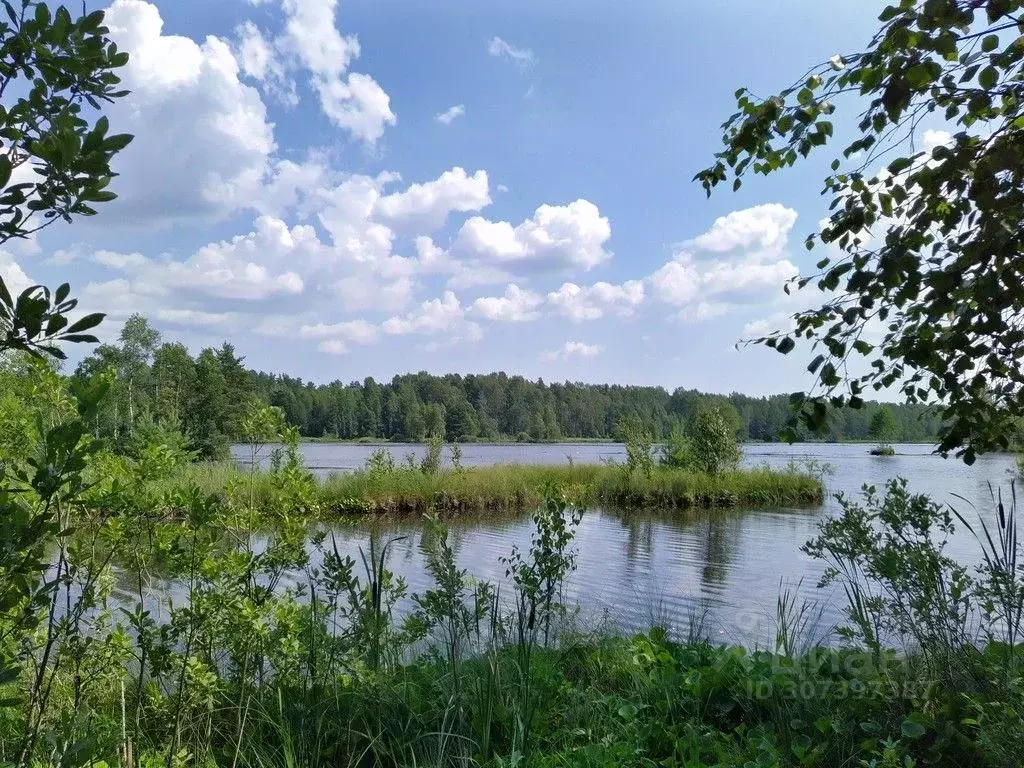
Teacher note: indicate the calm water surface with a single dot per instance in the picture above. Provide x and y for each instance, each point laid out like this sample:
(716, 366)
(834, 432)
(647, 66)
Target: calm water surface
(722, 568)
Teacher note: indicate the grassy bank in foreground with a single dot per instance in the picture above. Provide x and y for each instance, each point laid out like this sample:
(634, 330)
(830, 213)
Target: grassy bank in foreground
(514, 487)
(274, 650)
(599, 702)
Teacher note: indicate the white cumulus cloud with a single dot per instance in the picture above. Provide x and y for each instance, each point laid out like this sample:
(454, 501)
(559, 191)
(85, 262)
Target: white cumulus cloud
(202, 138)
(763, 227)
(425, 207)
(261, 60)
(592, 302)
(555, 237)
(434, 316)
(740, 260)
(935, 138)
(443, 316)
(336, 338)
(516, 306)
(13, 275)
(252, 266)
(194, 317)
(573, 349)
(311, 40)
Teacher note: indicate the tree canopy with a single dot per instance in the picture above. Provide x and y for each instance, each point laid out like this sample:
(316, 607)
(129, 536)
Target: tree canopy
(883, 426)
(925, 246)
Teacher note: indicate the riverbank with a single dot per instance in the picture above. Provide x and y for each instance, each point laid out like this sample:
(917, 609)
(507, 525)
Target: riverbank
(517, 487)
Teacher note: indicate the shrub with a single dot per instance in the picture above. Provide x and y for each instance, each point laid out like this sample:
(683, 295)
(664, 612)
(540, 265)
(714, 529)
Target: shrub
(639, 442)
(380, 463)
(713, 445)
(676, 451)
(431, 463)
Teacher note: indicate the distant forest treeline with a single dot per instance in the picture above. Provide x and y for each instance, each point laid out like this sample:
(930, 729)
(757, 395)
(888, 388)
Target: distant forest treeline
(503, 406)
(207, 395)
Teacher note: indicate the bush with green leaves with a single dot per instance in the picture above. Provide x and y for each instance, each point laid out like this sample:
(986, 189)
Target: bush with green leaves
(884, 429)
(888, 553)
(713, 447)
(58, 69)
(380, 463)
(432, 458)
(639, 445)
(676, 452)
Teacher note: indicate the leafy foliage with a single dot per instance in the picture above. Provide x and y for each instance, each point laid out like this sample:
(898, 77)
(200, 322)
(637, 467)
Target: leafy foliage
(888, 554)
(205, 399)
(713, 446)
(883, 426)
(639, 444)
(676, 452)
(55, 151)
(62, 69)
(37, 319)
(929, 247)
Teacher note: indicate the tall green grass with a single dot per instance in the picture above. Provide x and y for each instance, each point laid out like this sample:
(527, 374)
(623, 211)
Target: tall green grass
(513, 487)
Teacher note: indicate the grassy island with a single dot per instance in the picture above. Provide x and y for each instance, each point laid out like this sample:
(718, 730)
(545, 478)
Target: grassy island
(516, 487)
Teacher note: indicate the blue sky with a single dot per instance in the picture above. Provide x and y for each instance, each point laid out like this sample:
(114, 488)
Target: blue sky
(362, 188)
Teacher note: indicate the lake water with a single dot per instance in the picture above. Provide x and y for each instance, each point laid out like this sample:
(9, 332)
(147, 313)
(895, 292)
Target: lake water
(722, 569)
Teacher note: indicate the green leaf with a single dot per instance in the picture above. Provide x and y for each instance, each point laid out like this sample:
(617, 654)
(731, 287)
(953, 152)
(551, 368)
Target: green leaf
(786, 345)
(912, 729)
(117, 142)
(990, 43)
(5, 170)
(919, 75)
(80, 338)
(87, 322)
(900, 164)
(988, 78)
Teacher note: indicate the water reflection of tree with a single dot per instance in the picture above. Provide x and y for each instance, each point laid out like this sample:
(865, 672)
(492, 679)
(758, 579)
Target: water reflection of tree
(718, 550)
(707, 542)
(639, 538)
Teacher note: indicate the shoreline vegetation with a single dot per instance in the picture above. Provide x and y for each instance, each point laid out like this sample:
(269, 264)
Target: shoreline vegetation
(519, 487)
(379, 441)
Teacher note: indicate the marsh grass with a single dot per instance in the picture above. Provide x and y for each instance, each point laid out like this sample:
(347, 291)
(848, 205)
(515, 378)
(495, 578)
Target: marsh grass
(519, 487)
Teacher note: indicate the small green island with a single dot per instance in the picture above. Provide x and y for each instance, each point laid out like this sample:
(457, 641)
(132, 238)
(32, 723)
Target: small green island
(696, 468)
(520, 487)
